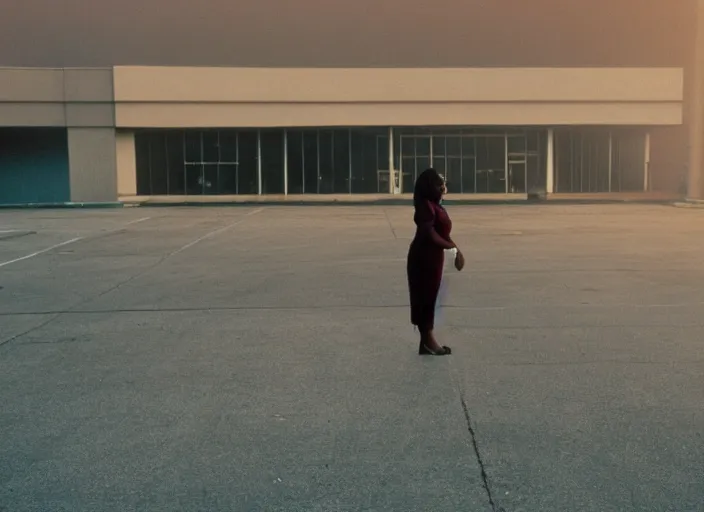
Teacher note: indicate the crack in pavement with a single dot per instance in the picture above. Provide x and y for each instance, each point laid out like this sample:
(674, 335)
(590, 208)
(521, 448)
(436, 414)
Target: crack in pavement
(480, 461)
(391, 226)
(28, 331)
(475, 445)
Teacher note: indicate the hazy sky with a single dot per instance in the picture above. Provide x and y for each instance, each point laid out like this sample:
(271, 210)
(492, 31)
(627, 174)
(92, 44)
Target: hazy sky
(345, 32)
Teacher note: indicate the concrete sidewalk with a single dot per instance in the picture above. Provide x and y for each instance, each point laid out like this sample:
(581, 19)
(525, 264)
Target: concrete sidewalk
(398, 199)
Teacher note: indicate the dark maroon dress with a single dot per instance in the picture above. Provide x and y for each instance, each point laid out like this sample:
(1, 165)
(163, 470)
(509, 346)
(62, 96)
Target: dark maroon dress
(426, 259)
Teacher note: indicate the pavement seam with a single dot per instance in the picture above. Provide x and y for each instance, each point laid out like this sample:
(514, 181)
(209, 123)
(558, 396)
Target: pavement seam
(476, 326)
(73, 308)
(57, 314)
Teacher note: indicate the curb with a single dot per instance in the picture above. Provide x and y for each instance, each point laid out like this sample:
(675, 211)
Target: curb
(25, 206)
(397, 202)
(382, 202)
(696, 205)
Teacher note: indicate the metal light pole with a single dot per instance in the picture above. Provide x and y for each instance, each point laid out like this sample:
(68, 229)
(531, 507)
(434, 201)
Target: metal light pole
(695, 182)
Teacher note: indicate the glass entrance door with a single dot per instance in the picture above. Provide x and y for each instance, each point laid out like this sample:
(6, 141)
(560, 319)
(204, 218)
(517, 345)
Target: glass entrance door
(452, 155)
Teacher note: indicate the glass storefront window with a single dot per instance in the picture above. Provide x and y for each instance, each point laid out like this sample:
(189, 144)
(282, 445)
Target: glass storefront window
(593, 160)
(345, 160)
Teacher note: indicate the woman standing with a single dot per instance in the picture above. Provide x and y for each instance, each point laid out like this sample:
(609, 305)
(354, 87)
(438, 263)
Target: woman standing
(426, 257)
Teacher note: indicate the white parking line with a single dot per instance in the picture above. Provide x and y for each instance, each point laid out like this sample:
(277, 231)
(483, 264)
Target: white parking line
(136, 221)
(41, 252)
(216, 232)
(5, 263)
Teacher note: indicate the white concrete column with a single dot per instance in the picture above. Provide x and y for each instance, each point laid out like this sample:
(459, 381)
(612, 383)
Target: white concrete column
(126, 164)
(646, 165)
(392, 172)
(92, 165)
(695, 181)
(550, 162)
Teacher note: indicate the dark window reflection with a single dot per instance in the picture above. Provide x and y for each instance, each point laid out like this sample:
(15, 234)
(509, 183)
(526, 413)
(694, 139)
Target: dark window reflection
(368, 174)
(193, 146)
(536, 145)
(211, 179)
(326, 164)
(341, 161)
(310, 162)
(141, 147)
(229, 170)
(157, 162)
(582, 162)
(211, 146)
(469, 173)
(228, 146)
(272, 149)
(453, 174)
(295, 161)
(194, 179)
(174, 162)
(248, 183)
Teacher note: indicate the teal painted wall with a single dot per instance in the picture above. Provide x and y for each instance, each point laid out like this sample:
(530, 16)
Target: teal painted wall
(34, 165)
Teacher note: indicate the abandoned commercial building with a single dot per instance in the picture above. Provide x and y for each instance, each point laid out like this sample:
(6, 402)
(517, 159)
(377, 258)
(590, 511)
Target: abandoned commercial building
(128, 133)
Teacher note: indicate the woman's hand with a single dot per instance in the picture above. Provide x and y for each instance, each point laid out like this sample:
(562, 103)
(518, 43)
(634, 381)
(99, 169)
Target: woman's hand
(459, 260)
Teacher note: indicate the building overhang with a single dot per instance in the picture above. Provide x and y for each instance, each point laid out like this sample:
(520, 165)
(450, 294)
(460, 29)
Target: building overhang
(193, 97)
(71, 97)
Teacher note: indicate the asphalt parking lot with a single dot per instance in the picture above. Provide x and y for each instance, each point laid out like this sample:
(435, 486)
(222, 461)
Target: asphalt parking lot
(261, 359)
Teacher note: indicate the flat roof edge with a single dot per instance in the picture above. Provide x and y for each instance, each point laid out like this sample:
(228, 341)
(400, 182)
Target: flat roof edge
(332, 68)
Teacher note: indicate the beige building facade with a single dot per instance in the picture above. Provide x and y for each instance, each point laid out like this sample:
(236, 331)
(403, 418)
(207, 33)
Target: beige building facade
(144, 132)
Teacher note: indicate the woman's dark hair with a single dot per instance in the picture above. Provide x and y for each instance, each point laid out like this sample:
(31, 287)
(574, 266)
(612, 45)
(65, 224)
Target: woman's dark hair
(428, 187)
